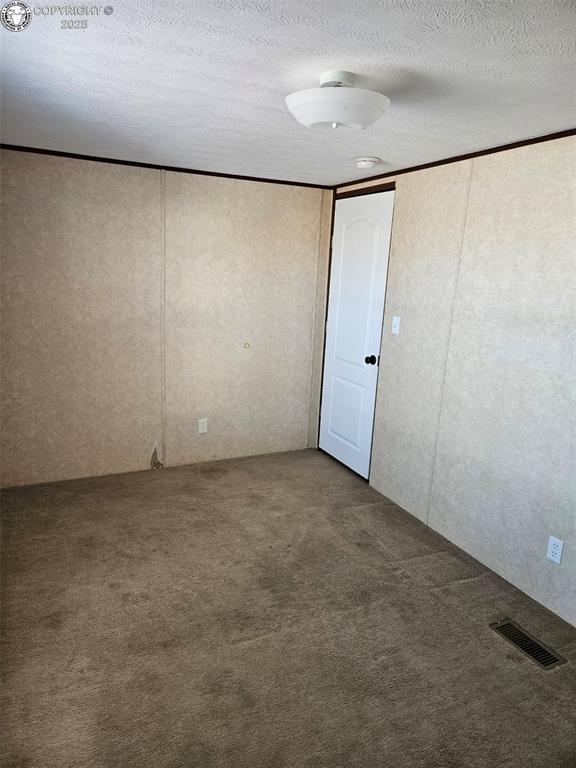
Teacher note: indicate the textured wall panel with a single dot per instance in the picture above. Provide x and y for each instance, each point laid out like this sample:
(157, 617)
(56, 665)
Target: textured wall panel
(427, 228)
(241, 268)
(81, 312)
(320, 318)
(505, 470)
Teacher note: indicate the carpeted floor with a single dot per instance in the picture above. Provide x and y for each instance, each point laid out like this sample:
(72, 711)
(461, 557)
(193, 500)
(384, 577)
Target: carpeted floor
(269, 612)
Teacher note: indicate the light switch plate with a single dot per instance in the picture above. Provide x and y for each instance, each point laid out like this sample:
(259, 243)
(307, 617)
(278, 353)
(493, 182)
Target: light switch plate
(202, 426)
(396, 325)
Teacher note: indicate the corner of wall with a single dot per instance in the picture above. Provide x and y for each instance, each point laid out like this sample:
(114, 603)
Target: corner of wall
(317, 339)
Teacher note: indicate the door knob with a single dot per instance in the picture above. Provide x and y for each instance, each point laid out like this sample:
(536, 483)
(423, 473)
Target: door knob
(370, 360)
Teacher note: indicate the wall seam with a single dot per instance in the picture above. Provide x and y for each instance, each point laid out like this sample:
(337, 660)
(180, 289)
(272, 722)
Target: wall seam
(163, 315)
(448, 342)
(314, 318)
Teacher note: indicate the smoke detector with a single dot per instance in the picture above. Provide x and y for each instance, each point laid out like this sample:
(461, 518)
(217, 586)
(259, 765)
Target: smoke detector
(337, 103)
(366, 163)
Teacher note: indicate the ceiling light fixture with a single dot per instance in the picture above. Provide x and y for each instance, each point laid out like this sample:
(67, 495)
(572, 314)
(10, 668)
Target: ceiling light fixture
(367, 163)
(337, 104)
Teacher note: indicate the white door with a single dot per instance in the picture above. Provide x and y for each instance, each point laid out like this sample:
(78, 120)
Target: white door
(360, 245)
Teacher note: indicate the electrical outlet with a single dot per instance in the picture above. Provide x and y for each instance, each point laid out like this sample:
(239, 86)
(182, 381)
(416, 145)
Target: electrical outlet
(555, 547)
(202, 426)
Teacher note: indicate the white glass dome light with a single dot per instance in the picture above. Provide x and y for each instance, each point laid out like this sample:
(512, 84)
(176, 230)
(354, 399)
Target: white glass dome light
(337, 104)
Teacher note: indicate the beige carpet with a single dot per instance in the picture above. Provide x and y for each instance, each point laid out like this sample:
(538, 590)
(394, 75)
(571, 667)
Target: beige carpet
(270, 612)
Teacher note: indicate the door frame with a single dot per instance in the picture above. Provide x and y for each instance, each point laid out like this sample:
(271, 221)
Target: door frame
(373, 190)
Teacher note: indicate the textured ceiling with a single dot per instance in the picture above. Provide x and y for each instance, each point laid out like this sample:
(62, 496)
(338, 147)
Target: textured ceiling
(202, 84)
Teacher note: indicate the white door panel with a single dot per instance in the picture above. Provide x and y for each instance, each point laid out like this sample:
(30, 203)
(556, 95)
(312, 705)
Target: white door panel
(362, 228)
(346, 410)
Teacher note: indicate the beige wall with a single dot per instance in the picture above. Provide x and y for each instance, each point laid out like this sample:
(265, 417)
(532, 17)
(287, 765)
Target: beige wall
(108, 272)
(81, 318)
(505, 470)
(241, 267)
(424, 255)
(320, 317)
(475, 421)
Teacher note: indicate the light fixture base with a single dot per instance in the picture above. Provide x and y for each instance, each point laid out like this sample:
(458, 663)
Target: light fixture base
(367, 163)
(337, 78)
